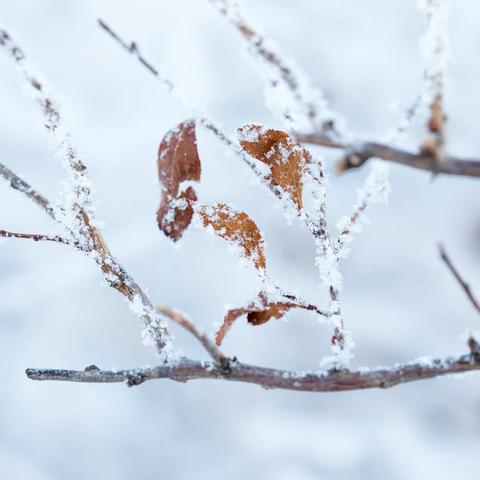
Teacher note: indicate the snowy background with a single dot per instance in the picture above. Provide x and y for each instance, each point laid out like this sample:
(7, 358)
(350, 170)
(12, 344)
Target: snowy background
(399, 300)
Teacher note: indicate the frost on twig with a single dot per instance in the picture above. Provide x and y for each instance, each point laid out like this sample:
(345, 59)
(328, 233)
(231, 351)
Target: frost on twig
(36, 237)
(78, 187)
(376, 189)
(24, 187)
(77, 216)
(200, 115)
(435, 48)
(332, 250)
(283, 165)
(330, 380)
(289, 94)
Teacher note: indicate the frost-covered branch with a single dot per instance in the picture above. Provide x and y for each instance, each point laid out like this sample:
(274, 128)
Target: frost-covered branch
(323, 381)
(197, 332)
(19, 184)
(77, 216)
(289, 93)
(133, 49)
(375, 190)
(458, 277)
(36, 237)
(78, 196)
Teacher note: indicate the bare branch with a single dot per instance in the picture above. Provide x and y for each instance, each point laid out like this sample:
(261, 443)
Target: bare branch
(36, 237)
(308, 102)
(53, 120)
(201, 336)
(328, 381)
(376, 189)
(85, 234)
(458, 277)
(21, 185)
(133, 49)
(357, 155)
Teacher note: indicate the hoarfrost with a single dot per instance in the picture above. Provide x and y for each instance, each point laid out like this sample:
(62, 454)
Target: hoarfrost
(376, 189)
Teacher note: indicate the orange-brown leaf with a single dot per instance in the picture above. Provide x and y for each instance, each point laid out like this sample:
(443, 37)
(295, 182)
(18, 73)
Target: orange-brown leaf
(230, 318)
(257, 313)
(237, 228)
(178, 161)
(257, 141)
(272, 310)
(285, 157)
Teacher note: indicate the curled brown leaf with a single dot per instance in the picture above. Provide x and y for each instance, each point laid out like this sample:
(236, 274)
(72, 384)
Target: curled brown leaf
(178, 162)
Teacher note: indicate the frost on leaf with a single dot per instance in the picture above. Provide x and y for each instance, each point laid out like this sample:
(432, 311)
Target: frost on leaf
(178, 162)
(286, 158)
(238, 229)
(258, 312)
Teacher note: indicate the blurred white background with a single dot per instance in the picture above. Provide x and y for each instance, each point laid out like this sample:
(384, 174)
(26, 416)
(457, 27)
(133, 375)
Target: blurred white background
(399, 300)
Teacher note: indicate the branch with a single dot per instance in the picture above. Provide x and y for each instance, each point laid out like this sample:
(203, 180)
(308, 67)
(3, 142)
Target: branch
(465, 286)
(21, 185)
(133, 49)
(306, 102)
(85, 234)
(201, 336)
(36, 237)
(329, 381)
(53, 121)
(357, 155)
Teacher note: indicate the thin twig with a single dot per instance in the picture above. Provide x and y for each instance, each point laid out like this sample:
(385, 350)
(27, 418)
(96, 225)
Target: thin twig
(458, 277)
(309, 101)
(133, 49)
(87, 236)
(53, 120)
(357, 155)
(22, 186)
(36, 237)
(202, 337)
(329, 381)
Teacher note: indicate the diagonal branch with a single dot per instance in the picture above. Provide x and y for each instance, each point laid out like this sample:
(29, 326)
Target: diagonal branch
(327, 381)
(53, 121)
(22, 186)
(219, 358)
(133, 49)
(306, 102)
(83, 228)
(458, 277)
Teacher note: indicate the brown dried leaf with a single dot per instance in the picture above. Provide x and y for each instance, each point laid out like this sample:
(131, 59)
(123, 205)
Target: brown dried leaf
(437, 117)
(272, 310)
(237, 228)
(257, 314)
(178, 161)
(285, 157)
(175, 215)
